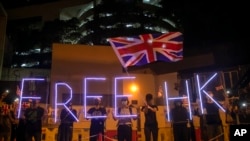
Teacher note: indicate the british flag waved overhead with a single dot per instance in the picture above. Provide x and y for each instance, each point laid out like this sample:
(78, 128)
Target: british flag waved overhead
(148, 48)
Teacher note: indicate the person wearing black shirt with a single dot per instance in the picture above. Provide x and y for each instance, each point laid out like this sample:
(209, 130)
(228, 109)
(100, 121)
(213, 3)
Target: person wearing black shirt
(33, 117)
(151, 124)
(179, 117)
(97, 124)
(65, 130)
(213, 121)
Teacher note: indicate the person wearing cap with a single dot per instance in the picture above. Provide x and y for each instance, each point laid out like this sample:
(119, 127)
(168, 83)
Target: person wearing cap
(179, 118)
(33, 118)
(151, 124)
(65, 130)
(97, 123)
(124, 125)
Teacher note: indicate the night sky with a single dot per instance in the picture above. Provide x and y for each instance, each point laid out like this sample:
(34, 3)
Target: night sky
(217, 22)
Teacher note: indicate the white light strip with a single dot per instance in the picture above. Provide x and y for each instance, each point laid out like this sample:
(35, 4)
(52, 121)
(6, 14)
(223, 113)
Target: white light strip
(167, 102)
(189, 101)
(94, 96)
(88, 96)
(21, 93)
(214, 101)
(210, 79)
(199, 92)
(175, 98)
(117, 96)
(65, 103)
(200, 88)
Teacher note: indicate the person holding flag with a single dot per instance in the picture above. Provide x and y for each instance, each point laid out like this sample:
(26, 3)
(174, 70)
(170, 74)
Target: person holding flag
(151, 124)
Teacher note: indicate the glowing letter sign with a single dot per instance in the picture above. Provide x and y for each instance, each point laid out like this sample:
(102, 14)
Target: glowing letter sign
(120, 96)
(200, 89)
(65, 103)
(26, 97)
(189, 101)
(175, 98)
(88, 96)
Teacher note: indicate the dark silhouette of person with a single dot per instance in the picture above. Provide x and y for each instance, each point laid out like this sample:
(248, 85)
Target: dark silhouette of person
(151, 124)
(65, 130)
(33, 118)
(213, 120)
(97, 124)
(179, 117)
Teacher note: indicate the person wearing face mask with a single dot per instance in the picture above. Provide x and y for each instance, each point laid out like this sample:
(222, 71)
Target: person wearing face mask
(65, 130)
(179, 117)
(124, 130)
(151, 124)
(97, 124)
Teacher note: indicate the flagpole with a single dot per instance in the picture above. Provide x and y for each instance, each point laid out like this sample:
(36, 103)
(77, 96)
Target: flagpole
(126, 70)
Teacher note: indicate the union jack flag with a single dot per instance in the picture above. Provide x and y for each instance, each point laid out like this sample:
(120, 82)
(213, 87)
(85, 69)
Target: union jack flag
(148, 48)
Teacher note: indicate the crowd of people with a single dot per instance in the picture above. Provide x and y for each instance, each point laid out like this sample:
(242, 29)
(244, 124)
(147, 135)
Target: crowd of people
(29, 124)
(24, 128)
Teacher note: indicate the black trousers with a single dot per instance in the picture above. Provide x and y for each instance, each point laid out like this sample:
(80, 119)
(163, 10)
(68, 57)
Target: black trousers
(13, 132)
(124, 133)
(21, 130)
(95, 131)
(180, 132)
(37, 136)
(151, 129)
(65, 132)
